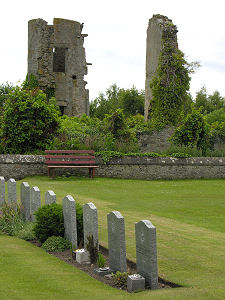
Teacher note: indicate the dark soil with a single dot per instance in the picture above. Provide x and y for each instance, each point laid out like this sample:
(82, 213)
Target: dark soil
(89, 268)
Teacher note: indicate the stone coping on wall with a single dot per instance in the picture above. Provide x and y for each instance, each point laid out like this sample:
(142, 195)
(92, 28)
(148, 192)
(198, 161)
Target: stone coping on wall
(144, 160)
(125, 160)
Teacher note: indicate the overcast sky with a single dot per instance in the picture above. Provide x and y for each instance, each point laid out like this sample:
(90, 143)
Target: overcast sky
(116, 41)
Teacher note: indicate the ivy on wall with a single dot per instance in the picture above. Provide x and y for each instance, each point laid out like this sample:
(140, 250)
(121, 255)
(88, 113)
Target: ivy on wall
(171, 81)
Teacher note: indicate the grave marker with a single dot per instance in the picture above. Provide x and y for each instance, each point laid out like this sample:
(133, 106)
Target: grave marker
(50, 197)
(116, 242)
(35, 201)
(146, 252)
(70, 222)
(12, 198)
(90, 223)
(2, 190)
(25, 200)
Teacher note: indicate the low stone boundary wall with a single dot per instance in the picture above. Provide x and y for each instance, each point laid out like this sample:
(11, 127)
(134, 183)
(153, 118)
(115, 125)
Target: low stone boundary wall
(20, 166)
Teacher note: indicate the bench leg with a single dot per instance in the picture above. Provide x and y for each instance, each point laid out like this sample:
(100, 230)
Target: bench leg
(48, 172)
(93, 172)
(90, 172)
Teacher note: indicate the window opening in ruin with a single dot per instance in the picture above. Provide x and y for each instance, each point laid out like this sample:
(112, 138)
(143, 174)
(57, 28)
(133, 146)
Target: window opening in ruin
(59, 58)
(61, 110)
(74, 77)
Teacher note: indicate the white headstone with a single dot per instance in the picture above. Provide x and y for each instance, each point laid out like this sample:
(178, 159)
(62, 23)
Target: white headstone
(25, 200)
(2, 190)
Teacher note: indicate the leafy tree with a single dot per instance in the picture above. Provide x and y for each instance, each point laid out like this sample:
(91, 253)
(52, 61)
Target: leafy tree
(5, 88)
(130, 100)
(194, 132)
(208, 103)
(29, 122)
(171, 82)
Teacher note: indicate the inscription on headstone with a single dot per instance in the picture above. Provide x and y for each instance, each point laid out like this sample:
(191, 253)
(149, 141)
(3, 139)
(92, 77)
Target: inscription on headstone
(70, 222)
(35, 196)
(90, 223)
(25, 200)
(50, 197)
(2, 190)
(146, 252)
(116, 242)
(12, 198)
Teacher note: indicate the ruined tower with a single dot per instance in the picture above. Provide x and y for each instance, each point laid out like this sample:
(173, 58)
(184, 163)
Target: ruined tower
(156, 26)
(56, 57)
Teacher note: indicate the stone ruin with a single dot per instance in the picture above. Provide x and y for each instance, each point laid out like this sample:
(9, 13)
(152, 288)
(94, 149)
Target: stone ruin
(156, 27)
(56, 57)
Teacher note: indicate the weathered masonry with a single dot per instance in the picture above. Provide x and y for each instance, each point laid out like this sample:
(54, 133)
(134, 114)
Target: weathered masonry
(156, 26)
(56, 57)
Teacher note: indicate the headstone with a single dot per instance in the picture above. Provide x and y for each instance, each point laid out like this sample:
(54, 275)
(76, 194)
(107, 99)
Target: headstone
(2, 190)
(35, 196)
(135, 282)
(116, 242)
(90, 223)
(83, 256)
(50, 197)
(70, 222)
(25, 200)
(12, 198)
(146, 252)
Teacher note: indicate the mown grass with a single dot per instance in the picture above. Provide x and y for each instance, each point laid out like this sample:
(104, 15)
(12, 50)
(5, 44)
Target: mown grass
(188, 215)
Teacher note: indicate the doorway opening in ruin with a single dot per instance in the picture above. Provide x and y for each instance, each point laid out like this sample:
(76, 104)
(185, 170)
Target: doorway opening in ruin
(61, 110)
(59, 59)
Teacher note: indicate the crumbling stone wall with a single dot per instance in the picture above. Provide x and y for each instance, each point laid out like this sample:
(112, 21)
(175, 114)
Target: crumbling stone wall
(156, 26)
(56, 57)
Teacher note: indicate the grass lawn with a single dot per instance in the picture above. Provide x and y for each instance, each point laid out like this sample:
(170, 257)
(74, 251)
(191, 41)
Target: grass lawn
(190, 219)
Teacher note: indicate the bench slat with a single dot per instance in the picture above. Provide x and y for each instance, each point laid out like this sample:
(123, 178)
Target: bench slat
(73, 166)
(70, 156)
(69, 162)
(70, 151)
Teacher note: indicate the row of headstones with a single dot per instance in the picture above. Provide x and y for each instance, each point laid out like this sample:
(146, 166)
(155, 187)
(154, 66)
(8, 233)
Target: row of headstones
(145, 232)
(30, 197)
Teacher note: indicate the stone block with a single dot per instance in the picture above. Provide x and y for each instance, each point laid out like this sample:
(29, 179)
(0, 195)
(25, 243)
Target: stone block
(50, 197)
(35, 201)
(116, 242)
(135, 282)
(70, 221)
(83, 256)
(2, 190)
(146, 252)
(102, 271)
(25, 200)
(12, 198)
(90, 223)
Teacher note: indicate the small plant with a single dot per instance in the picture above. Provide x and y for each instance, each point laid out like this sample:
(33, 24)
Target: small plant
(49, 222)
(80, 230)
(56, 244)
(11, 220)
(120, 279)
(92, 248)
(27, 232)
(100, 260)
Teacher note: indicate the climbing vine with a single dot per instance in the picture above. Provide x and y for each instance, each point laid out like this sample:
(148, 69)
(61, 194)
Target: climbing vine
(171, 81)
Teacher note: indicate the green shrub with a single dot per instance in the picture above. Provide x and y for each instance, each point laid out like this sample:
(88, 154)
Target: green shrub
(80, 230)
(29, 121)
(11, 220)
(49, 221)
(100, 260)
(56, 244)
(120, 279)
(27, 232)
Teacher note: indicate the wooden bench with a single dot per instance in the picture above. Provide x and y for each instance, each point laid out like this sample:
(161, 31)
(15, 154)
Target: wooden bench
(70, 159)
